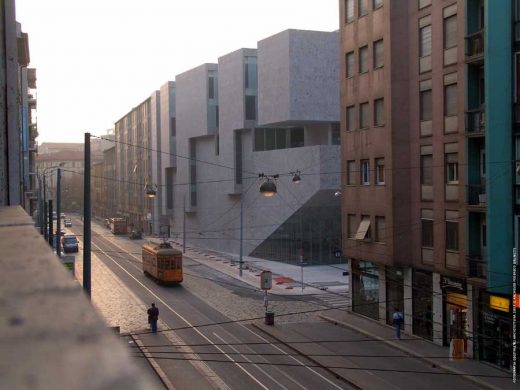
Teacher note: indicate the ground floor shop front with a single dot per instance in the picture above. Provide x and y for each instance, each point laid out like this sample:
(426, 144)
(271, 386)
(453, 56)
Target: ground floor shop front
(441, 308)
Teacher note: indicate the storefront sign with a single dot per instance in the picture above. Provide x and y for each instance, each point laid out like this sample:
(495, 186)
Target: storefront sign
(499, 303)
(454, 284)
(517, 301)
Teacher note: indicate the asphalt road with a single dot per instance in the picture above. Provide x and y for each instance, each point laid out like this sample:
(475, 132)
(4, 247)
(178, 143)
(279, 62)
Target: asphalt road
(240, 355)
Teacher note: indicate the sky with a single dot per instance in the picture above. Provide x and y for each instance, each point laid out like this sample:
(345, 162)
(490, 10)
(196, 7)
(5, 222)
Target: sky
(97, 59)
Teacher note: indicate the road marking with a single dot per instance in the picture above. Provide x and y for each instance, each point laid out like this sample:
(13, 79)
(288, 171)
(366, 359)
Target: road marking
(293, 358)
(181, 317)
(250, 361)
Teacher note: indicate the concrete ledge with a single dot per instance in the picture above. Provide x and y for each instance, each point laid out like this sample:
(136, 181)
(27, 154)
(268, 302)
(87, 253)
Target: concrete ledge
(50, 334)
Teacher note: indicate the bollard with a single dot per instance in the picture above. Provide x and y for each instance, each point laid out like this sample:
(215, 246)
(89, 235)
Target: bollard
(269, 317)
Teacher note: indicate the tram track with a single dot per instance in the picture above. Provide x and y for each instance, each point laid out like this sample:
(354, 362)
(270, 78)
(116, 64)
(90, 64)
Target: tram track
(106, 248)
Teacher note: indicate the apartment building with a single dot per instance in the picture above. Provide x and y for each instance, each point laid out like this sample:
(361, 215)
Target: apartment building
(18, 124)
(423, 187)
(271, 110)
(143, 139)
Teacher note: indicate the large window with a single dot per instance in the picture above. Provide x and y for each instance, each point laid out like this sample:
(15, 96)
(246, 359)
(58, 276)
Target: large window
(173, 127)
(452, 168)
(351, 172)
(169, 187)
(425, 41)
(365, 172)
(351, 119)
(250, 107)
(378, 54)
(426, 105)
(427, 169)
(349, 64)
(452, 235)
(426, 229)
(380, 171)
(450, 32)
(349, 11)
(362, 7)
(377, 3)
(363, 59)
(238, 157)
(279, 138)
(364, 115)
(379, 112)
(450, 100)
(351, 225)
(380, 229)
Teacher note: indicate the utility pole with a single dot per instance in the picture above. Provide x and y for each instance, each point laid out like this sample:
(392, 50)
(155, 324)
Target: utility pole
(240, 260)
(58, 212)
(45, 225)
(184, 225)
(86, 218)
(49, 236)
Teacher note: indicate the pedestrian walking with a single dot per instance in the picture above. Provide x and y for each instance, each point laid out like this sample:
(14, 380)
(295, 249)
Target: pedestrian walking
(153, 317)
(398, 320)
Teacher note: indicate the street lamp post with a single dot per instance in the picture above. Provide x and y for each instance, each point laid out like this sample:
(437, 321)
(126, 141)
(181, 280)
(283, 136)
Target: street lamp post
(240, 260)
(58, 211)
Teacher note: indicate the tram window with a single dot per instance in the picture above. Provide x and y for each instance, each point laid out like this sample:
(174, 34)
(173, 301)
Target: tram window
(169, 264)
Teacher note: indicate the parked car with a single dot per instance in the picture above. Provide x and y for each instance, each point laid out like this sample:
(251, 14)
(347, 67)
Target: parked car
(135, 235)
(62, 215)
(68, 223)
(69, 243)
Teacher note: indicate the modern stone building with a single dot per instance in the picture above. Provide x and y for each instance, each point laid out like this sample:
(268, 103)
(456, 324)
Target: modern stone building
(271, 110)
(427, 202)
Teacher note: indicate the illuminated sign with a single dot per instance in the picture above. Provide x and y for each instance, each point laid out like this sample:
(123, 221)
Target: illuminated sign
(499, 303)
(517, 301)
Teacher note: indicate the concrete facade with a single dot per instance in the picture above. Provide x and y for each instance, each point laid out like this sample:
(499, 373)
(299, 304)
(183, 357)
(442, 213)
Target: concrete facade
(217, 168)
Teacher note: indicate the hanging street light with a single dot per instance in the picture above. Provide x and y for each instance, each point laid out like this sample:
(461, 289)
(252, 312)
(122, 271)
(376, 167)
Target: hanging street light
(268, 187)
(296, 177)
(151, 191)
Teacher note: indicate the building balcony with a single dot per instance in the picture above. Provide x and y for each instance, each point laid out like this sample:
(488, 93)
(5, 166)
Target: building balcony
(475, 122)
(476, 196)
(477, 267)
(475, 47)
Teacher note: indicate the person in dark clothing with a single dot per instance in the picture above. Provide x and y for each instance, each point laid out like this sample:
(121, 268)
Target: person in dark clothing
(153, 317)
(428, 321)
(397, 320)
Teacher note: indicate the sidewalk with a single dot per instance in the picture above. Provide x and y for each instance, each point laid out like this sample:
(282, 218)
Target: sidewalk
(491, 378)
(317, 279)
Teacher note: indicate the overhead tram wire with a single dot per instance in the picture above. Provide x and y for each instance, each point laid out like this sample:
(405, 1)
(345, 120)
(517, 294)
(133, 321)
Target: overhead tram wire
(173, 154)
(322, 305)
(330, 367)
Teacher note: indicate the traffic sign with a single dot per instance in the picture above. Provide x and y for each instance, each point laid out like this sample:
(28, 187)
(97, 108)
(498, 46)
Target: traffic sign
(266, 280)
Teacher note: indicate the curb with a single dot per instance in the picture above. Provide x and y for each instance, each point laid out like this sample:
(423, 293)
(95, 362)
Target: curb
(410, 352)
(155, 366)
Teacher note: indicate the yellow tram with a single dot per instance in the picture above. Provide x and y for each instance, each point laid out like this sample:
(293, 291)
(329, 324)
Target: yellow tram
(162, 263)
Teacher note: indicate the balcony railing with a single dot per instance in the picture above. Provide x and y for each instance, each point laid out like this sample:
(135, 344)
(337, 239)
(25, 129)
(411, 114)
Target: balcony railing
(475, 46)
(477, 267)
(476, 195)
(475, 121)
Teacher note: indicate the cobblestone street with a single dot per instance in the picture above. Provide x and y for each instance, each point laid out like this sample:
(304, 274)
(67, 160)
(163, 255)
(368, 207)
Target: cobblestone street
(120, 307)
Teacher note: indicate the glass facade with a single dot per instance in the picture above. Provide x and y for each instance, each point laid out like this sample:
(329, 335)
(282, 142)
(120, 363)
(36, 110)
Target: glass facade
(394, 292)
(313, 231)
(422, 304)
(365, 288)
